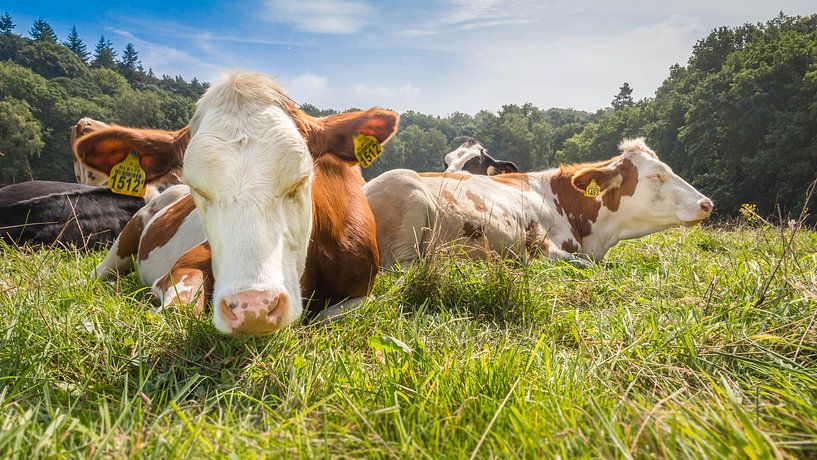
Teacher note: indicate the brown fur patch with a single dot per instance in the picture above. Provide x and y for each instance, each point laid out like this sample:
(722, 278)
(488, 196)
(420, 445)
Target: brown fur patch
(479, 204)
(128, 240)
(342, 259)
(516, 180)
(335, 133)
(569, 246)
(446, 197)
(195, 265)
(160, 152)
(582, 211)
(165, 226)
(446, 175)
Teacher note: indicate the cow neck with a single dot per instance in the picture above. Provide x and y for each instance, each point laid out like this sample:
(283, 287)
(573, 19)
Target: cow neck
(333, 184)
(589, 222)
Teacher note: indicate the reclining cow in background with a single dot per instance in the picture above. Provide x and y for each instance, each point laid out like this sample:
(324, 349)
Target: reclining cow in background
(274, 212)
(472, 157)
(47, 212)
(88, 214)
(582, 209)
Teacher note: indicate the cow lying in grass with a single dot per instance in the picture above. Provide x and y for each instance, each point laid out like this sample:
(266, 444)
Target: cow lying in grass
(88, 214)
(582, 209)
(47, 212)
(274, 212)
(473, 158)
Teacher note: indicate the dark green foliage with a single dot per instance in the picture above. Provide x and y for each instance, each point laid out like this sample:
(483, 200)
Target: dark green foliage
(51, 60)
(129, 64)
(6, 25)
(46, 87)
(526, 135)
(104, 54)
(43, 32)
(20, 139)
(739, 120)
(624, 98)
(77, 46)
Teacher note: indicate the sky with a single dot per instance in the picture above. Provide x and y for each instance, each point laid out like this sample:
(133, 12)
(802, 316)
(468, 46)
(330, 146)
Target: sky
(436, 57)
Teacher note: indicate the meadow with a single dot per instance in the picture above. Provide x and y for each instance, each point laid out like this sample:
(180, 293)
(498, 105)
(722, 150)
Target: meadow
(689, 343)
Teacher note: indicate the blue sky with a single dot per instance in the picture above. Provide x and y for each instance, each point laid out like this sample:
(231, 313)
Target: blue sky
(431, 56)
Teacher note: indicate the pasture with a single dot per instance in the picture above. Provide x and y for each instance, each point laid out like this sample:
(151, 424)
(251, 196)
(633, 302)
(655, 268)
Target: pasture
(695, 342)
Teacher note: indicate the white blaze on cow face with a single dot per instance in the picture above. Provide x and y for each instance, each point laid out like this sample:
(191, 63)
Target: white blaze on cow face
(455, 160)
(472, 157)
(250, 173)
(661, 199)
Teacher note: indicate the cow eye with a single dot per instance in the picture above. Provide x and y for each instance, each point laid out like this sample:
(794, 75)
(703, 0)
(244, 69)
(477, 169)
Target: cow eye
(203, 195)
(293, 189)
(657, 177)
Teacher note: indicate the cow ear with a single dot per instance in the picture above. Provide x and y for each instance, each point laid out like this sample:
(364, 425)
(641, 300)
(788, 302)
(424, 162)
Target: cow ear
(605, 178)
(159, 151)
(335, 134)
(502, 167)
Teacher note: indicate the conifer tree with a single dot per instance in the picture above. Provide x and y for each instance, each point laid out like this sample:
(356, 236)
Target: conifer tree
(76, 45)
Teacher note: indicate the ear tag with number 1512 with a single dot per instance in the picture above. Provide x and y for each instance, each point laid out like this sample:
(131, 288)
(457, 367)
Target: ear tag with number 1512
(367, 149)
(128, 177)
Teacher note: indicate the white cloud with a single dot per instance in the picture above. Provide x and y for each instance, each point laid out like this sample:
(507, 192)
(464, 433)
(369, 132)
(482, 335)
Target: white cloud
(168, 60)
(307, 87)
(386, 91)
(320, 16)
(479, 14)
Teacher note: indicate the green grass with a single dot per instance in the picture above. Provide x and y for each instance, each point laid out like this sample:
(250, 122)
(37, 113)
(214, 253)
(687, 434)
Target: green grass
(688, 343)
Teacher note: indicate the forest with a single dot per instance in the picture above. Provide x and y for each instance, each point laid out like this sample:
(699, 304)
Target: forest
(738, 120)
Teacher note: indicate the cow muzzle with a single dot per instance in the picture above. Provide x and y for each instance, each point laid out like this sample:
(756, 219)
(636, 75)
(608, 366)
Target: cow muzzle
(704, 210)
(254, 312)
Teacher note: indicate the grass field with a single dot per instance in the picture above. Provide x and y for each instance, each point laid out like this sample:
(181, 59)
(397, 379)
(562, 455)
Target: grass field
(689, 343)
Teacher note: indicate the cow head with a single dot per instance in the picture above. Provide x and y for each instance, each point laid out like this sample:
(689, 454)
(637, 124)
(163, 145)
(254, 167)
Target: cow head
(249, 166)
(97, 147)
(472, 157)
(642, 192)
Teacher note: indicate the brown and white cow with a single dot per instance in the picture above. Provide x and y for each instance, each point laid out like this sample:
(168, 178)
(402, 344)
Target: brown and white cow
(472, 157)
(274, 211)
(544, 212)
(97, 147)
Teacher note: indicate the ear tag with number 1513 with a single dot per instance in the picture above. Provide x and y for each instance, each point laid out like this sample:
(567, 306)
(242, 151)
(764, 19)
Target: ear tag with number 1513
(128, 177)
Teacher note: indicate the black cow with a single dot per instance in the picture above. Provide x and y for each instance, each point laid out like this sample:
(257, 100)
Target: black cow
(46, 212)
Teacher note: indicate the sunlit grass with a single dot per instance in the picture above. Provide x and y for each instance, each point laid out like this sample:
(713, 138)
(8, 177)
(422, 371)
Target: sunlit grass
(689, 343)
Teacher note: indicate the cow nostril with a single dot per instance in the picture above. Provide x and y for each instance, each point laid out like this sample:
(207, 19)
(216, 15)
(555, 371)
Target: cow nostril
(276, 308)
(706, 206)
(227, 311)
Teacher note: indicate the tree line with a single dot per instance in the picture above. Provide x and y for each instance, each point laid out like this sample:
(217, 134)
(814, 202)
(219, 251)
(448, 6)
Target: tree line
(738, 120)
(46, 86)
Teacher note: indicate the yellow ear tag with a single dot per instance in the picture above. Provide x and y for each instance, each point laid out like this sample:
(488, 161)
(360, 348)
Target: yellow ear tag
(128, 177)
(593, 190)
(367, 149)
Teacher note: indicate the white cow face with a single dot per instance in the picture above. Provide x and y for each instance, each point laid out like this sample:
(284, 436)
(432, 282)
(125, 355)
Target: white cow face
(250, 174)
(472, 157)
(662, 197)
(249, 165)
(642, 193)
